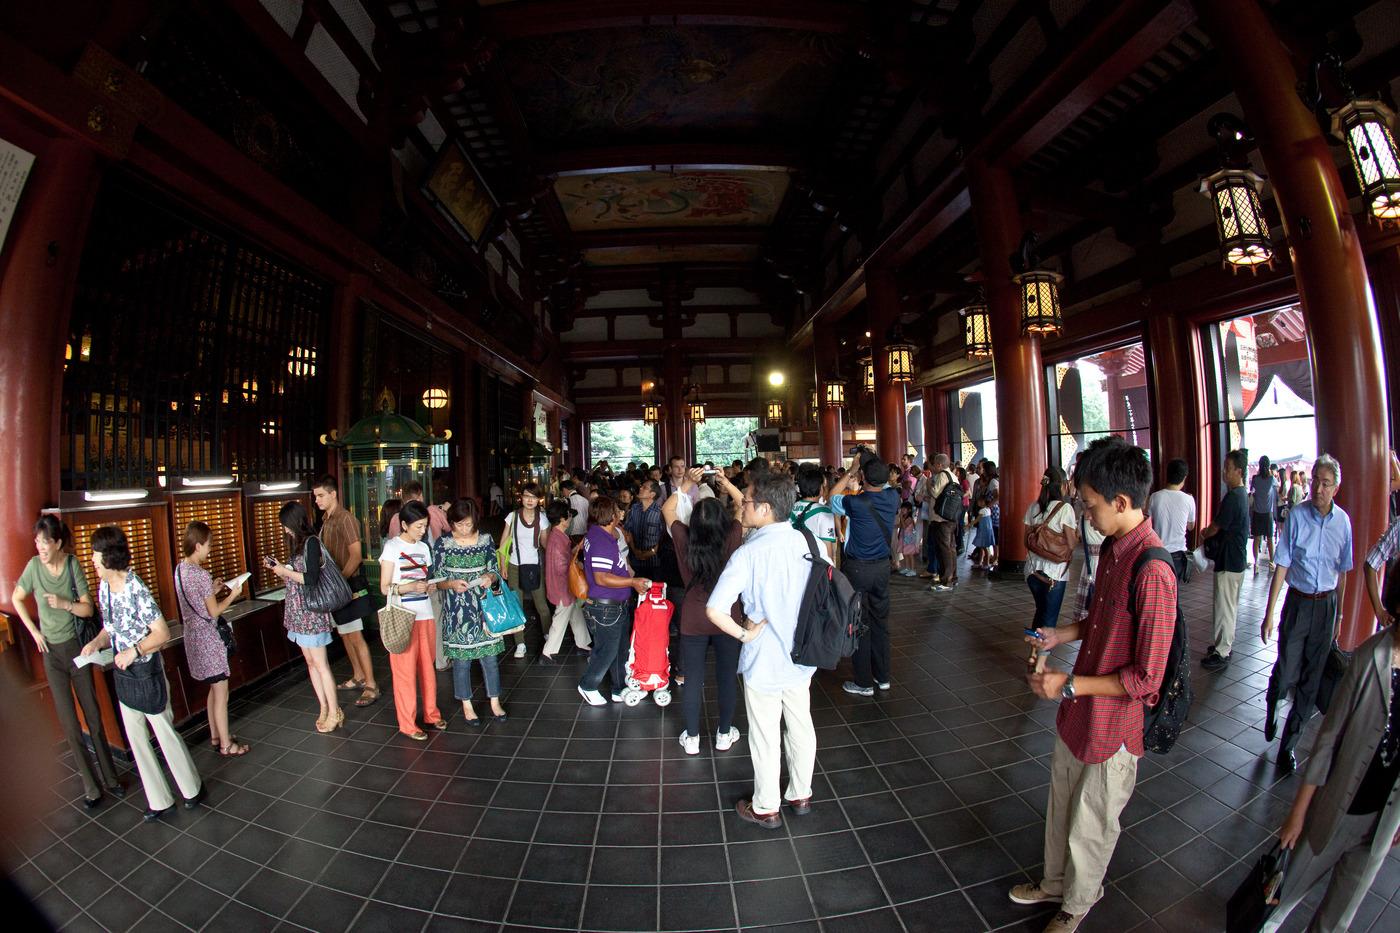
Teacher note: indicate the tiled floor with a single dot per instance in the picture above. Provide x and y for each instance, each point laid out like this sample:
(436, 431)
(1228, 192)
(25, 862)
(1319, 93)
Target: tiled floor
(929, 802)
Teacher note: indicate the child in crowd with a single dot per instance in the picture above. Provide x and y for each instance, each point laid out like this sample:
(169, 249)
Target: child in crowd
(984, 539)
(906, 540)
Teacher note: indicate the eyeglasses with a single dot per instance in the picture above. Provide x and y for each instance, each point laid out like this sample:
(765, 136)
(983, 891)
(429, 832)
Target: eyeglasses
(749, 503)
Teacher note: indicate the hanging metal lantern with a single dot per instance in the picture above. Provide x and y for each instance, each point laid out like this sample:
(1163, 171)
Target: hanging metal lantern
(1040, 302)
(900, 361)
(651, 413)
(1239, 218)
(776, 416)
(1365, 125)
(697, 412)
(977, 331)
(435, 398)
(834, 392)
(867, 374)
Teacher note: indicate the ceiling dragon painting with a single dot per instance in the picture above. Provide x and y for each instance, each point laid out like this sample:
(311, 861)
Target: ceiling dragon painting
(700, 198)
(672, 84)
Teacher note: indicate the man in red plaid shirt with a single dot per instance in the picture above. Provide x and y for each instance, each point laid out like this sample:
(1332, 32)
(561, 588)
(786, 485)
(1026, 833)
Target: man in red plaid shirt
(1119, 670)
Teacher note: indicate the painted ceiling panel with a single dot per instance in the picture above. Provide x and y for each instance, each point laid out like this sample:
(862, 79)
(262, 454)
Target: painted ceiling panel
(634, 200)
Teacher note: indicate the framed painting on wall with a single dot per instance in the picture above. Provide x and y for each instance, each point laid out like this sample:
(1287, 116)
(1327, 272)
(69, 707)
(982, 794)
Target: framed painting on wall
(457, 189)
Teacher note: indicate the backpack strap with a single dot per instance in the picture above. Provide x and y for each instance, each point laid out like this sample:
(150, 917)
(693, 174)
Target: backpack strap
(812, 545)
(1148, 554)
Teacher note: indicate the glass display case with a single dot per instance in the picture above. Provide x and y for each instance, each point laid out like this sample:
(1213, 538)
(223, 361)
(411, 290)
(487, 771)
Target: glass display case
(526, 461)
(380, 455)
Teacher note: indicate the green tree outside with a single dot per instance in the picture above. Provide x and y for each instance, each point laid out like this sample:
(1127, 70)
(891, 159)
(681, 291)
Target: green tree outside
(722, 439)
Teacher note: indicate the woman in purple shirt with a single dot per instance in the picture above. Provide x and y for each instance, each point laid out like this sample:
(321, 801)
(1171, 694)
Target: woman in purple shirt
(610, 587)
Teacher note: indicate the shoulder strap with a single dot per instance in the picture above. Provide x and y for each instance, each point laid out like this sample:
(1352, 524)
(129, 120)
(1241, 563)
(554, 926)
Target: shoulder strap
(1084, 539)
(811, 545)
(72, 581)
(871, 506)
(1148, 554)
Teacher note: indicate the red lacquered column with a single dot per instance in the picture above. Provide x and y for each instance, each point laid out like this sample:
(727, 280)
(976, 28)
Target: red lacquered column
(936, 438)
(38, 269)
(1020, 377)
(1343, 336)
(891, 428)
(829, 444)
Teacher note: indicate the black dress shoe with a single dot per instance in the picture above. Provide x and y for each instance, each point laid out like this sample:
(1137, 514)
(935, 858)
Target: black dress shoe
(151, 816)
(1287, 762)
(117, 791)
(197, 799)
(92, 803)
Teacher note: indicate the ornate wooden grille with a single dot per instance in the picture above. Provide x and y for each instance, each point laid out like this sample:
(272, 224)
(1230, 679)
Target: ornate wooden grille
(190, 352)
(225, 520)
(140, 537)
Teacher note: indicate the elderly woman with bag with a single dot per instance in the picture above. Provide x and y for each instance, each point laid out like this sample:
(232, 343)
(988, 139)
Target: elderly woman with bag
(206, 651)
(1050, 542)
(132, 625)
(568, 611)
(308, 628)
(466, 560)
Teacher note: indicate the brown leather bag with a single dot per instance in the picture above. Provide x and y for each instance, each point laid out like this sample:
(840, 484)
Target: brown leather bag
(1052, 545)
(578, 583)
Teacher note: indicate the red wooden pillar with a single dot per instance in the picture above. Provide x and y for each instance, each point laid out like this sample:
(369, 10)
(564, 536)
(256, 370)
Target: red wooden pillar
(466, 403)
(38, 270)
(882, 306)
(1020, 377)
(829, 447)
(576, 431)
(1177, 388)
(1343, 336)
(675, 425)
(936, 440)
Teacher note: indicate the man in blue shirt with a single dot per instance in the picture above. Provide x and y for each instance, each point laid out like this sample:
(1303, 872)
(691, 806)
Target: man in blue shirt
(870, 517)
(769, 572)
(643, 526)
(1313, 557)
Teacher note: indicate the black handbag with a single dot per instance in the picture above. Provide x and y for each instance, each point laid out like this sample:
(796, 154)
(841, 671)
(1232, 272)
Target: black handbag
(527, 575)
(1332, 673)
(142, 686)
(85, 629)
(220, 624)
(1254, 902)
(331, 592)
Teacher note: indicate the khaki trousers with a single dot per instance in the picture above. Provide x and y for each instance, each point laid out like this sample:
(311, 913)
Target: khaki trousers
(172, 746)
(571, 617)
(768, 713)
(1227, 604)
(1081, 823)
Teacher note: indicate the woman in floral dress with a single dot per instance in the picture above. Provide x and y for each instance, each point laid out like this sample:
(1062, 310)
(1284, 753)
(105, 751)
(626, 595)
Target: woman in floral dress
(204, 649)
(308, 629)
(466, 559)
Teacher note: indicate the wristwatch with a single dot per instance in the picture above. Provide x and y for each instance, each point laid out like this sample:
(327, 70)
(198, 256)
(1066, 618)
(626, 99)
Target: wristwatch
(1067, 691)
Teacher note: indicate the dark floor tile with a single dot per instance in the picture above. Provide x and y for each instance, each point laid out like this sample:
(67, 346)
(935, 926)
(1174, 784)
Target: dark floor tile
(620, 908)
(476, 897)
(852, 890)
(272, 892)
(773, 902)
(915, 878)
(697, 907)
(939, 914)
(353, 873)
(387, 918)
(546, 905)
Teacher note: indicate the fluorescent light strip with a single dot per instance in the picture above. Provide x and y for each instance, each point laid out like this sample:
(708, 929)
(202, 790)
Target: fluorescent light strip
(205, 480)
(115, 495)
(277, 487)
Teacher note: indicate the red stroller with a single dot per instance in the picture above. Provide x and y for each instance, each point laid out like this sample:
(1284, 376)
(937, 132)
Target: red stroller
(648, 664)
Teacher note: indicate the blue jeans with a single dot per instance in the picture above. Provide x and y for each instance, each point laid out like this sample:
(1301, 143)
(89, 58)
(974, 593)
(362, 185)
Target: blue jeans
(1048, 597)
(605, 624)
(462, 677)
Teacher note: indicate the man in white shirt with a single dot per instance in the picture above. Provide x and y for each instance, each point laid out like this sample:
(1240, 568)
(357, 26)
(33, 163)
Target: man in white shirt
(769, 572)
(1173, 515)
(579, 523)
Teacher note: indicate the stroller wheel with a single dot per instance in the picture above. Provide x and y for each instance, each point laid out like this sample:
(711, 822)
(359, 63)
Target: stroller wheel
(633, 682)
(663, 697)
(632, 697)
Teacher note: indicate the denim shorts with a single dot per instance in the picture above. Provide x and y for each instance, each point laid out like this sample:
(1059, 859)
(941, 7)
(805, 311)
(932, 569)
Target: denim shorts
(319, 640)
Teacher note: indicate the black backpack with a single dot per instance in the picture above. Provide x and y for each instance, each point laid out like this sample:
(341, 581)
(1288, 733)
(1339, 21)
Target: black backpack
(829, 621)
(1161, 724)
(949, 503)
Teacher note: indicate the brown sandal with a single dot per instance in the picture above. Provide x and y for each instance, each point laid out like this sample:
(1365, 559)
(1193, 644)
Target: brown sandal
(228, 750)
(351, 684)
(369, 696)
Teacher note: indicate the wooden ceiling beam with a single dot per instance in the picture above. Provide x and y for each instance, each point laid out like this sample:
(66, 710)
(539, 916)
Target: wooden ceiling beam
(1116, 45)
(693, 349)
(664, 157)
(716, 274)
(685, 236)
(548, 17)
(685, 309)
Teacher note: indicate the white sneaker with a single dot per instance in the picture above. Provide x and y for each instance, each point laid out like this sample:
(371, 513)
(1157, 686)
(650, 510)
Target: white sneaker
(592, 697)
(725, 740)
(520, 650)
(691, 743)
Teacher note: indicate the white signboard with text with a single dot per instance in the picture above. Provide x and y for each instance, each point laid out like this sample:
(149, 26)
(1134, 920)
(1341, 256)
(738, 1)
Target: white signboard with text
(14, 170)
